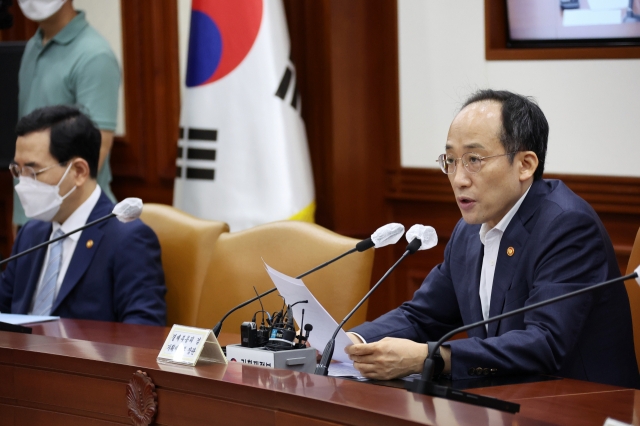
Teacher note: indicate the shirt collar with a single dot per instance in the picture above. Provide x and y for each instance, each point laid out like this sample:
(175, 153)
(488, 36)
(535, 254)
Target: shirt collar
(69, 32)
(79, 217)
(504, 222)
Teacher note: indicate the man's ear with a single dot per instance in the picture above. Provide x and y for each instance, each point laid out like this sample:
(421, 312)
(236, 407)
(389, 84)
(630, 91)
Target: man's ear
(81, 171)
(528, 161)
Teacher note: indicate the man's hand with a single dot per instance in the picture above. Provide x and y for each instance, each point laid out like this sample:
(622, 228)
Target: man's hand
(388, 359)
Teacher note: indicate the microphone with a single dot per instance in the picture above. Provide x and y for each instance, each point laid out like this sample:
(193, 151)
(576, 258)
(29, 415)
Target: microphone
(415, 243)
(426, 386)
(126, 211)
(307, 328)
(385, 235)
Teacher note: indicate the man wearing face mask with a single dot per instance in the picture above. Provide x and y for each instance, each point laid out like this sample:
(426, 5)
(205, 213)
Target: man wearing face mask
(111, 271)
(67, 62)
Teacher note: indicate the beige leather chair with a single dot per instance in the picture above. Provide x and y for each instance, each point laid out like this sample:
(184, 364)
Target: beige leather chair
(633, 290)
(187, 245)
(292, 248)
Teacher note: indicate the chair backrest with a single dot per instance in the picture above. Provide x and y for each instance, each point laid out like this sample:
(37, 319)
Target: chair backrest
(292, 248)
(187, 245)
(633, 290)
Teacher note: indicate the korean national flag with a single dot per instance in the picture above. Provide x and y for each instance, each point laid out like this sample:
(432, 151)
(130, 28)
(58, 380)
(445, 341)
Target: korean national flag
(242, 153)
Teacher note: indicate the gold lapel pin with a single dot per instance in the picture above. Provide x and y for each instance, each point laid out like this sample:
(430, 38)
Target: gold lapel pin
(510, 251)
(89, 243)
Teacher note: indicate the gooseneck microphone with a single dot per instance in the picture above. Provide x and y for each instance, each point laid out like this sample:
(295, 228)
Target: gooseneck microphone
(126, 210)
(426, 386)
(385, 235)
(420, 237)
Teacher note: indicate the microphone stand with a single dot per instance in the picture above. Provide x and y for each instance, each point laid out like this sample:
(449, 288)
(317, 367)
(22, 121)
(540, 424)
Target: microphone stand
(322, 368)
(15, 256)
(218, 326)
(425, 385)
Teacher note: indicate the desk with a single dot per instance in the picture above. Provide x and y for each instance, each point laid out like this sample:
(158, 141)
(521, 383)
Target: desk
(75, 372)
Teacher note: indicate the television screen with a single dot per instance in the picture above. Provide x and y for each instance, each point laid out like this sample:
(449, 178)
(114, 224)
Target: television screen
(566, 23)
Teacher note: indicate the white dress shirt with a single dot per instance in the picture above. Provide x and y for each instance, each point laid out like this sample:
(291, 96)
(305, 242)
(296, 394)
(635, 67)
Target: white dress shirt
(491, 239)
(77, 219)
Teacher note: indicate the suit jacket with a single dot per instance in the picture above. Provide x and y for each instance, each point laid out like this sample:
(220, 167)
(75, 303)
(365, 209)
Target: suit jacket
(118, 278)
(559, 245)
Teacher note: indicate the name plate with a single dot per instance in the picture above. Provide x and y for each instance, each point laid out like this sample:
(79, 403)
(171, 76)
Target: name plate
(189, 345)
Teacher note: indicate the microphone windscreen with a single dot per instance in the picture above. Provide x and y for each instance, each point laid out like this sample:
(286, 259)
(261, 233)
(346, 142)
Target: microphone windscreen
(426, 234)
(128, 209)
(387, 234)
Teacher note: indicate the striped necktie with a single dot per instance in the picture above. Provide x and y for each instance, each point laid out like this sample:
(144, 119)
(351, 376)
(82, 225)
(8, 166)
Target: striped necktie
(44, 299)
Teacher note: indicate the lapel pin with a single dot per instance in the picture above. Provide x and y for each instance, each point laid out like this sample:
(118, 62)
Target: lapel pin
(90, 244)
(510, 251)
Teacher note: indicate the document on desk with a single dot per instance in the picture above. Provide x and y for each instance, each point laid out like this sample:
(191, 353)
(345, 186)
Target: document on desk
(294, 290)
(17, 319)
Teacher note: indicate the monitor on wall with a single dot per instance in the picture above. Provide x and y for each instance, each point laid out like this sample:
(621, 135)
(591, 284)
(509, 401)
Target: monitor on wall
(573, 23)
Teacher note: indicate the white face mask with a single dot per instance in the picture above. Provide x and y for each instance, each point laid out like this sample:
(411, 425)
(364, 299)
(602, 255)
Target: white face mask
(40, 200)
(39, 10)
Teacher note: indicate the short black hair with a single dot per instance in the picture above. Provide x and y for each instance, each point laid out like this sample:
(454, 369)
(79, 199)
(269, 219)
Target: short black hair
(72, 133)
(524, 126)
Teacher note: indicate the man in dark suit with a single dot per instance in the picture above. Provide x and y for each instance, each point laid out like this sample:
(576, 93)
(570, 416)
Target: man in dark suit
(521, 240)
(111, 271)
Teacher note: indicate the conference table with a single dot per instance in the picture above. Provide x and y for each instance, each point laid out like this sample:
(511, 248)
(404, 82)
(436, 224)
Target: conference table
(79, 372)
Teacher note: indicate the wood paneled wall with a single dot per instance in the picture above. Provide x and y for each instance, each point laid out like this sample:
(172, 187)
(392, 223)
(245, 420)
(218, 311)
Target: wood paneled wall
(144, 159)
(346, 55)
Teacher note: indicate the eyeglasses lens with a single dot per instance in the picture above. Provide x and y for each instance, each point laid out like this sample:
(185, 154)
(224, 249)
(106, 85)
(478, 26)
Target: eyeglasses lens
(25, 171)
(472, 162)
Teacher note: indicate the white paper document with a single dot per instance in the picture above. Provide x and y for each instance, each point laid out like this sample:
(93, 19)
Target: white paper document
(344, 369)
(575, 17)
(17, 319)
(294, 290)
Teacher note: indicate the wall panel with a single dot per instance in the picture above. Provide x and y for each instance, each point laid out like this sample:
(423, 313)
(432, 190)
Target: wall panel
(143, 160)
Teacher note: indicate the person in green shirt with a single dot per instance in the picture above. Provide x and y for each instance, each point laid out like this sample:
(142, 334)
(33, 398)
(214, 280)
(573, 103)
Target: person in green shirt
(68, 62)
